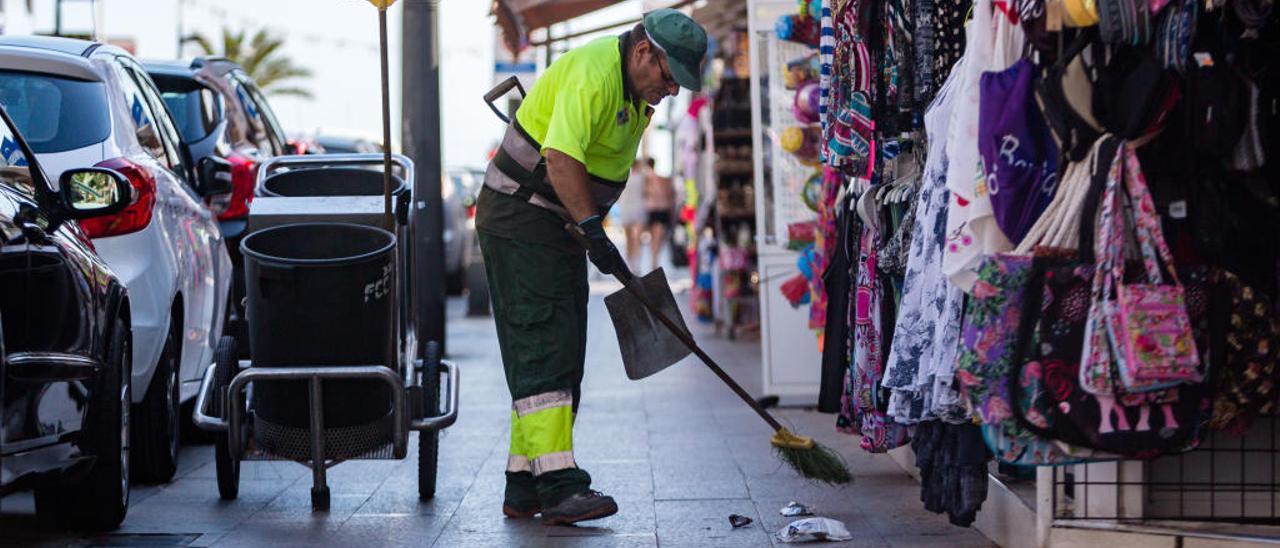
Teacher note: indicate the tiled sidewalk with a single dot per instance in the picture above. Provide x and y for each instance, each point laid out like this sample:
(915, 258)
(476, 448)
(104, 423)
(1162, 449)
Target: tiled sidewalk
(678, 451)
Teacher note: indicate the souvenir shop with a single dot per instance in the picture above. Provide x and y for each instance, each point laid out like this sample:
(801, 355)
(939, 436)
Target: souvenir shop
(1032, 247)
(747, 261)
(715, 147)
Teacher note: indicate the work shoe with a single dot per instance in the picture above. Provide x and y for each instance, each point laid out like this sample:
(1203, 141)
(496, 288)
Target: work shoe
(583, 506)
(520, 511)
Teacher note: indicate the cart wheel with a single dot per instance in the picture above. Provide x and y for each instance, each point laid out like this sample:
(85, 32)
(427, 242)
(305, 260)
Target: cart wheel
(429, 441)
(226, 357)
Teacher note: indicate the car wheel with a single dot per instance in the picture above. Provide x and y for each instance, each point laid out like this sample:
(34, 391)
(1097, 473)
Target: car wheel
(158, 427)
(101, 500)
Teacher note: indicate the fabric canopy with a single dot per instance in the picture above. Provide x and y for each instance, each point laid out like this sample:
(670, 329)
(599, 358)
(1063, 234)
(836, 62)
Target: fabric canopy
(518, 17)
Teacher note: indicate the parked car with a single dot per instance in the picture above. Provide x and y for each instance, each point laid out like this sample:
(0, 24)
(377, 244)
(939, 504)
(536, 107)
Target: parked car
(87, 104)
(459, 227)
(347, 144)
(65, 356)
(221, 113)
(301, 144)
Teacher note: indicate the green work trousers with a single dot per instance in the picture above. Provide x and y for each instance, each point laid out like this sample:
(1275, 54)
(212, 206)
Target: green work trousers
(539, 295)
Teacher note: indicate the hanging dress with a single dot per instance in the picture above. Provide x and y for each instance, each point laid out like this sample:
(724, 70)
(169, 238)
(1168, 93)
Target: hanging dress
(879, 432)
(993, 43)
(928, 316)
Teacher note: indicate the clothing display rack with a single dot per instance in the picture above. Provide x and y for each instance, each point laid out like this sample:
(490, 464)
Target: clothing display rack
(1048, 239)
(1227, 478)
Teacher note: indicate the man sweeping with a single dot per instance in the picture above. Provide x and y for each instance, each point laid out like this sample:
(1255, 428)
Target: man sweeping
(565, 159)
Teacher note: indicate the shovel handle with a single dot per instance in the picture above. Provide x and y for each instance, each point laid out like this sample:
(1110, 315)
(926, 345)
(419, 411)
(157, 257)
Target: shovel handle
(628, 280)
(625, 275)
(498, 91)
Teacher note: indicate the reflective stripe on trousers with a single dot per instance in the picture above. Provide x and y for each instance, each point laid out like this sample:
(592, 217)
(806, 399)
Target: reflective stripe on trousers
(542, 433)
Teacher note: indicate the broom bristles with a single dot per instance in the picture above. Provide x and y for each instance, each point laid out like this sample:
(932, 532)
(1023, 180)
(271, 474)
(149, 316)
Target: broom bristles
(817, 463)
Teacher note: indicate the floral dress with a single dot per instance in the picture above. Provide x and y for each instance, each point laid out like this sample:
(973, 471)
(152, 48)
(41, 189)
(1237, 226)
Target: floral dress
(879, 432)
(927, 329)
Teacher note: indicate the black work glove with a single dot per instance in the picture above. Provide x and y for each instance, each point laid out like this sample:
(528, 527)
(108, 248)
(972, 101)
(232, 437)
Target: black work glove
(601, 251)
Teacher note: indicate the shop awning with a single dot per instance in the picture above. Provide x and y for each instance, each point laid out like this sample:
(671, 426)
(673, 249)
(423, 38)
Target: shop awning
(518, 17)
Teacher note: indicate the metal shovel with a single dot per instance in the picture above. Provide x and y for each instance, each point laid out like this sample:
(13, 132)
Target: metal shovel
(647, 345)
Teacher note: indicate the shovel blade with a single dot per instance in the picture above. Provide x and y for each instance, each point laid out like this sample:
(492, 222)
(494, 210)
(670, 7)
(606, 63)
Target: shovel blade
(647, 345)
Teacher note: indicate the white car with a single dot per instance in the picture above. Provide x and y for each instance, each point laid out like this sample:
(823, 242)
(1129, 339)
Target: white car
(84, 104)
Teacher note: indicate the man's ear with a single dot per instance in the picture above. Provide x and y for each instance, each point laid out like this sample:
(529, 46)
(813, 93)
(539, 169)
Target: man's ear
(642, 48)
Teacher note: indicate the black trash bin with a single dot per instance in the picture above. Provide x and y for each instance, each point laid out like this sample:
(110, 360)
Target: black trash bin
(350, 181)
(329, 181)
(320, 294)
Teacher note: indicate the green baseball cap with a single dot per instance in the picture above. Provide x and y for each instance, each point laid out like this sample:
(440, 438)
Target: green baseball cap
(683, 40)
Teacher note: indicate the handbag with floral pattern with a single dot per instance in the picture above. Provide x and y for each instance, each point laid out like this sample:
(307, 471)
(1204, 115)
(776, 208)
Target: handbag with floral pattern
(1139, 332)
(1052, 396)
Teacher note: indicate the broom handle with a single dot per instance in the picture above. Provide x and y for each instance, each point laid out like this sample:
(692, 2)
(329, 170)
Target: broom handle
(628, 281)
(387, 218)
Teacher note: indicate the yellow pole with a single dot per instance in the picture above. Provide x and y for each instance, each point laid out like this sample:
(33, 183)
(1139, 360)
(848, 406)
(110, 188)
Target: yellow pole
(388, 218)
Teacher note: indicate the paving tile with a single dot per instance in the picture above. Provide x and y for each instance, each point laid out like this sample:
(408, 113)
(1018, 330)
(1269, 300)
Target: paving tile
(199, 491)
(385, 502)
(954, 539)
(644, 540)
(706, 523)
(463, 539)
(294, 504)
(678, 451)
(388, 530)
(280, 532)
(695, 488)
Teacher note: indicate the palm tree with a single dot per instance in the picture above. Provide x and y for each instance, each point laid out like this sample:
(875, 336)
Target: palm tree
(260, 57)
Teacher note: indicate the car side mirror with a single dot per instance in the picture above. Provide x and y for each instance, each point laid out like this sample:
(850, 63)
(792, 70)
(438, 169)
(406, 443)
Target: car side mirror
(94, 192)
(214, 176)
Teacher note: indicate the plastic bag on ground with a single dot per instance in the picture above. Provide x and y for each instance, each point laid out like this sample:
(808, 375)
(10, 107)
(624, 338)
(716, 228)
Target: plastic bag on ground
(811, 529)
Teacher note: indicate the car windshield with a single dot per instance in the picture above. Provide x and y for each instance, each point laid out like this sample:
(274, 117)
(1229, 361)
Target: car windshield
(196, 110)
(55, 114)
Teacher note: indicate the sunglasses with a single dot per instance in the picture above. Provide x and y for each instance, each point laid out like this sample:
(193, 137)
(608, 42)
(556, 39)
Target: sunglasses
(667, 78)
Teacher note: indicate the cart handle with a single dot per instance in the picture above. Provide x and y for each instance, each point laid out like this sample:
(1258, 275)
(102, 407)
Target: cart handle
(499, 91)
(276, 163)
(450, 415)
(200, 415)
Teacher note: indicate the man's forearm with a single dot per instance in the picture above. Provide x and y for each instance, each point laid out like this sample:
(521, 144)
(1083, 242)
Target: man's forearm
(569, 179)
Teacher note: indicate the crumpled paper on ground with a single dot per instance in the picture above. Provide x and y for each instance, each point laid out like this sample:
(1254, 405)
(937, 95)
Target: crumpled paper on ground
(811, 529)
(794, 509)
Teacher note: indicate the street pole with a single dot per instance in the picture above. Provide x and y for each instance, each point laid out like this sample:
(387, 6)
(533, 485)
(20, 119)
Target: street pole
(57, 18)
(420, 106)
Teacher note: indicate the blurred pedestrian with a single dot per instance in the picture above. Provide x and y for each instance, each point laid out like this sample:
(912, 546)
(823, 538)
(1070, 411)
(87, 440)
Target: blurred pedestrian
(660, 200)
(633, 214)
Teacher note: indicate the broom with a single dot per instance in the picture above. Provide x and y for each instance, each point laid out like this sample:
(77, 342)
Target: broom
(808, 458)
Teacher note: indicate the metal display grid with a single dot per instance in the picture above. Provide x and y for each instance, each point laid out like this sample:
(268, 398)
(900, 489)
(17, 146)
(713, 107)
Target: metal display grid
(788, 175)
(1228, 478)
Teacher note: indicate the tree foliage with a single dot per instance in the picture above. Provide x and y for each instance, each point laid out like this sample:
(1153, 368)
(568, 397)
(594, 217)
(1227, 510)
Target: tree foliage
(261, 58)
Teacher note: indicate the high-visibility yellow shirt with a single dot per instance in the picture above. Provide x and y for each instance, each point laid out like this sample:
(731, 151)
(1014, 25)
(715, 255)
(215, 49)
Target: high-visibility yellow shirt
(580, 106)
